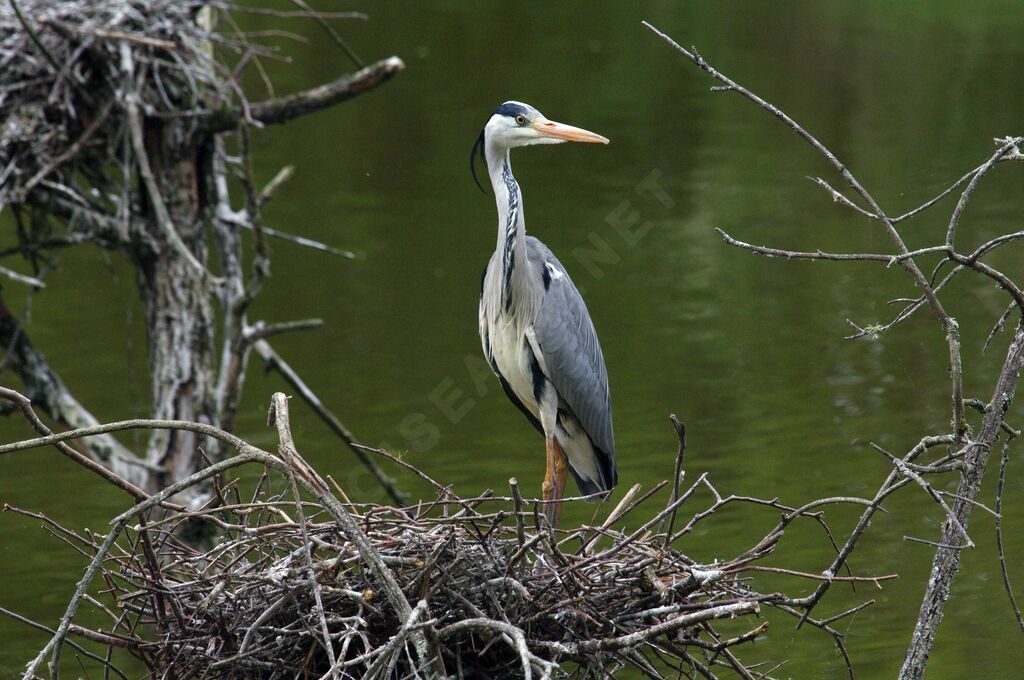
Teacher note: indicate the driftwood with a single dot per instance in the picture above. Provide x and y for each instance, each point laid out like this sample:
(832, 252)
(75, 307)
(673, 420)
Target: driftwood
(305, 582)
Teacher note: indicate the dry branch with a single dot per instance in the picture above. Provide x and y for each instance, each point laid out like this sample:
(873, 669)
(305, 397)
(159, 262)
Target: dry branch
(111, 117)
(328, 590)
(45, 389)
(972, 452)
(292, 106)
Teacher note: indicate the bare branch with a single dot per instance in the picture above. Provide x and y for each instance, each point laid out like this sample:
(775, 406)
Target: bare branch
(906, 471)
(841, 199)
(999, 534)
(946, 561)
(1007, 146)
(677, 475)
(972, 455)
(281, 110)
(798, 255)
(22, 278)
(45, 388)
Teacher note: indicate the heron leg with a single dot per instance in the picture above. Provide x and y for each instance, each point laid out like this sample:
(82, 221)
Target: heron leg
(554, 480)
(561, 474)
(548, 487)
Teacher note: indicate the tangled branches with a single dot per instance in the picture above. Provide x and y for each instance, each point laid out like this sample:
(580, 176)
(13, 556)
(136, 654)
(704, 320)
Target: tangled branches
(72, 73)
(962, 451)
(121, 126)
(304, 582)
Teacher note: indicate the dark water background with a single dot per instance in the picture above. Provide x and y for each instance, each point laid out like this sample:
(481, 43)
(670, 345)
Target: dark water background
(748, 351)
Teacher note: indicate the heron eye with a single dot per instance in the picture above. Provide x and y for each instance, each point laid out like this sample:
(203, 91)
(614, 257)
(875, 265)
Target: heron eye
(520, 120)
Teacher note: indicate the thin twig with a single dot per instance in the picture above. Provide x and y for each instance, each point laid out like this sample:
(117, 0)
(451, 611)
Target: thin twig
(677, 475)
(999, 534)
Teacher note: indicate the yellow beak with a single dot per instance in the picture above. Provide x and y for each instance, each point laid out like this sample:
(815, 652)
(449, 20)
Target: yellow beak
(568, 133)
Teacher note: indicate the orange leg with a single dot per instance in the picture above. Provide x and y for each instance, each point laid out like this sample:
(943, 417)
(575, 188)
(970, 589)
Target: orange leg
(548, 487)
(554, 480)
(561, 474)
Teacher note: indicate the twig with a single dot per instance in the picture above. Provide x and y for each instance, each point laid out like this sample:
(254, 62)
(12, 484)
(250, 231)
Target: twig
(329, 30)
(920, 481)
(677, 475)
(513, 485)
(999, 325)
(999, 534)
(262, 330)
(278, 417)
(848, 612)
(798, 255)
(35, 37)
(308, 243)
(75, 630)
(25, 406)
(820, 577)
(22, 278)
(268, 191)
(288, 14)
(1007, 146)
(682, 621)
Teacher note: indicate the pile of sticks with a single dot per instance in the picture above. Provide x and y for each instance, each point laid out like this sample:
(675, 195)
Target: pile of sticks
(123, 125)
(305, 581)
(65, 70)
(87, 85)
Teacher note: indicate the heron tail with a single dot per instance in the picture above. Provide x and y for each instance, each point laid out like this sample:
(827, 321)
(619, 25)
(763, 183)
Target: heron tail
(608, 473)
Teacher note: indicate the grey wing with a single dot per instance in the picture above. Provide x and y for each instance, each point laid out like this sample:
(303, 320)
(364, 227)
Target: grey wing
(572, 354)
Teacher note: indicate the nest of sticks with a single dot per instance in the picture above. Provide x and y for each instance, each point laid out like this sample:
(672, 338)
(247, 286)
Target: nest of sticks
(70, 70)
(87, 86)
(304, 583)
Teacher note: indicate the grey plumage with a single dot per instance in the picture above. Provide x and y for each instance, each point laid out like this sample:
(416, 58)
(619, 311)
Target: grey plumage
(536, 331)
(574, 360)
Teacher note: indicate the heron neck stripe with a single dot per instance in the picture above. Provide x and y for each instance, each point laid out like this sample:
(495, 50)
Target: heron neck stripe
(511, 232)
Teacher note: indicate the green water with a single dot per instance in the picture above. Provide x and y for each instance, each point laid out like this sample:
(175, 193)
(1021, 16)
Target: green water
(747, 351)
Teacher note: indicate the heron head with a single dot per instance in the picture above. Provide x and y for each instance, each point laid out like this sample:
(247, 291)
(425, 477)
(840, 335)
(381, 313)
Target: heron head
(516, 124)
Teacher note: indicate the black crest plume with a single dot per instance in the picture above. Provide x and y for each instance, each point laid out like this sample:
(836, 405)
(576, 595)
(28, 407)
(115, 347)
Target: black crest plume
(478, 145)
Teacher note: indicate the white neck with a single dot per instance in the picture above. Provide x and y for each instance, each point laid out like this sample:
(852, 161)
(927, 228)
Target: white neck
(511, 243)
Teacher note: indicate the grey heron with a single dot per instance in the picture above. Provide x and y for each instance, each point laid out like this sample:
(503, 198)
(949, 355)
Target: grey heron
(535, 329)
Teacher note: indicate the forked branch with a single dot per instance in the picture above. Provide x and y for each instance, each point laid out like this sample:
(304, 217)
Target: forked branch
(971, 454)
